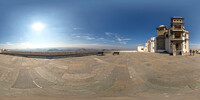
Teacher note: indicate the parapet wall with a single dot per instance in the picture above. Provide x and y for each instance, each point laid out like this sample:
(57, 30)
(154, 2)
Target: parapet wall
(50, 54)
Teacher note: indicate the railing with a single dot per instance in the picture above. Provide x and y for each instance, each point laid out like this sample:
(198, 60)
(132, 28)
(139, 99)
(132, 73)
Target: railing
(179, 38)
(177, 29)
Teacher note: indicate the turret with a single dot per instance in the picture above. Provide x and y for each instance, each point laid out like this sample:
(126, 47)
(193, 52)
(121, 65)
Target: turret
(161, 30)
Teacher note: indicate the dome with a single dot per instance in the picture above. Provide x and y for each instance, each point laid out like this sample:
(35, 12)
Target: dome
(162, 26)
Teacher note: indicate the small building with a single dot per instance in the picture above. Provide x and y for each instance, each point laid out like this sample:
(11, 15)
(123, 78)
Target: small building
(152, 45)
(141, 48)
(1, 50)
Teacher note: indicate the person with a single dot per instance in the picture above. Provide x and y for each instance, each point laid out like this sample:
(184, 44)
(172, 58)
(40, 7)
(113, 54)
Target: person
(190, 52)
(193, 52)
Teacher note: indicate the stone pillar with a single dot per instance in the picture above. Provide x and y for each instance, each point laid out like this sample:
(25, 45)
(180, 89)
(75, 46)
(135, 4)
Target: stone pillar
(174, 49)
(182, 49)
(187, 46)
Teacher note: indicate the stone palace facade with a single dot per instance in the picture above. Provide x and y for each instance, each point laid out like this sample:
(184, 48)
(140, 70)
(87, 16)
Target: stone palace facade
(174, 40)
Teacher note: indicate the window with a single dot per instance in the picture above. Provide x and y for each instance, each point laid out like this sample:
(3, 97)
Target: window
(177, 35)
(177, 26)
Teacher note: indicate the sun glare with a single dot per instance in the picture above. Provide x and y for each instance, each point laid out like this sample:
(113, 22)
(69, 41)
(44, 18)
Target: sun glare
(38, 26)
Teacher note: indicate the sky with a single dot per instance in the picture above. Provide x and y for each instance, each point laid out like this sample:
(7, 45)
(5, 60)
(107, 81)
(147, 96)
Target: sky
(92, 23)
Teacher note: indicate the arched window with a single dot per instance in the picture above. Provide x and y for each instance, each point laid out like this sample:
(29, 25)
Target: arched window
(177, 35)
(177, 26)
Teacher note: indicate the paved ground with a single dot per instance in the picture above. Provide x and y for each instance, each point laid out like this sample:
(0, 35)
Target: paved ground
(129, 76)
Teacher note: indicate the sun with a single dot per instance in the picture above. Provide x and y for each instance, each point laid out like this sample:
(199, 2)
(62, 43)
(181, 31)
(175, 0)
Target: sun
(38, 26)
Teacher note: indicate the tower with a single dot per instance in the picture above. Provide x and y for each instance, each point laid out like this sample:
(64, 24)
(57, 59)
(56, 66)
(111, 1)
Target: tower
(160, 44)
(161, 30)
(180, 36)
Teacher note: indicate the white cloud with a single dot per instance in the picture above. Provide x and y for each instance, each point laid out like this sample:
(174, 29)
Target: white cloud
(101, 38)
(86, 36)
(76, 28)
(117, 38)
(139, 44)
(109, 34)
(126, 39)
(77, 36)
(195, 46)
(89, 38)
(28, 45)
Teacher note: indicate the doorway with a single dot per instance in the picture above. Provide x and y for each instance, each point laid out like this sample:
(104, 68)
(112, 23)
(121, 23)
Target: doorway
(178, 48)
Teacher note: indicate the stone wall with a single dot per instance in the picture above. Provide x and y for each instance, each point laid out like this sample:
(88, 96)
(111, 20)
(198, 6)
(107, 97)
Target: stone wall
(160, 42)
(50, 54)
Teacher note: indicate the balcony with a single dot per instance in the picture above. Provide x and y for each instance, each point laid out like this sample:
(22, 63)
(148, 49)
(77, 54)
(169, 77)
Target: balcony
(178, 39)
(177, 28)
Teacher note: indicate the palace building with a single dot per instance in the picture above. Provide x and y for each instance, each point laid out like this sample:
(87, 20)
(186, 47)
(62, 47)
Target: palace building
(174, 40)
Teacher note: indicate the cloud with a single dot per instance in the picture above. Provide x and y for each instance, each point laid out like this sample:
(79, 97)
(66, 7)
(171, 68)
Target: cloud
(126, 39)
(116, 38)
(27, 45)
(101, 38)
(77, 36)
(9, 44)
(108, 33)
(89, 38)
(139, 44)
(76, 28)
(194, 46)
(85, 36)
(110, 38)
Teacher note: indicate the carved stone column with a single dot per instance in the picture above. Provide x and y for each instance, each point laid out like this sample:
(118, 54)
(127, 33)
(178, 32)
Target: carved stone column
(174, 49)
(182, 49)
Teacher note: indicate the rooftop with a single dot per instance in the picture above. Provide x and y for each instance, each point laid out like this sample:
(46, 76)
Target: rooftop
(94, 77)
(177, 18)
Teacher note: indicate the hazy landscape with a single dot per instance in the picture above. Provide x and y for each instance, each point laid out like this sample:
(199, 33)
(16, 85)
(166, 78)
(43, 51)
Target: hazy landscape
(130, 76)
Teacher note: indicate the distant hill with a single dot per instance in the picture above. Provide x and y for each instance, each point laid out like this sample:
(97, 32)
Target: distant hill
(54, 49)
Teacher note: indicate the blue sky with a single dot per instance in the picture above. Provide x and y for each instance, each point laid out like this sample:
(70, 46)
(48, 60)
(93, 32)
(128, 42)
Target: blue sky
(92, 23)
